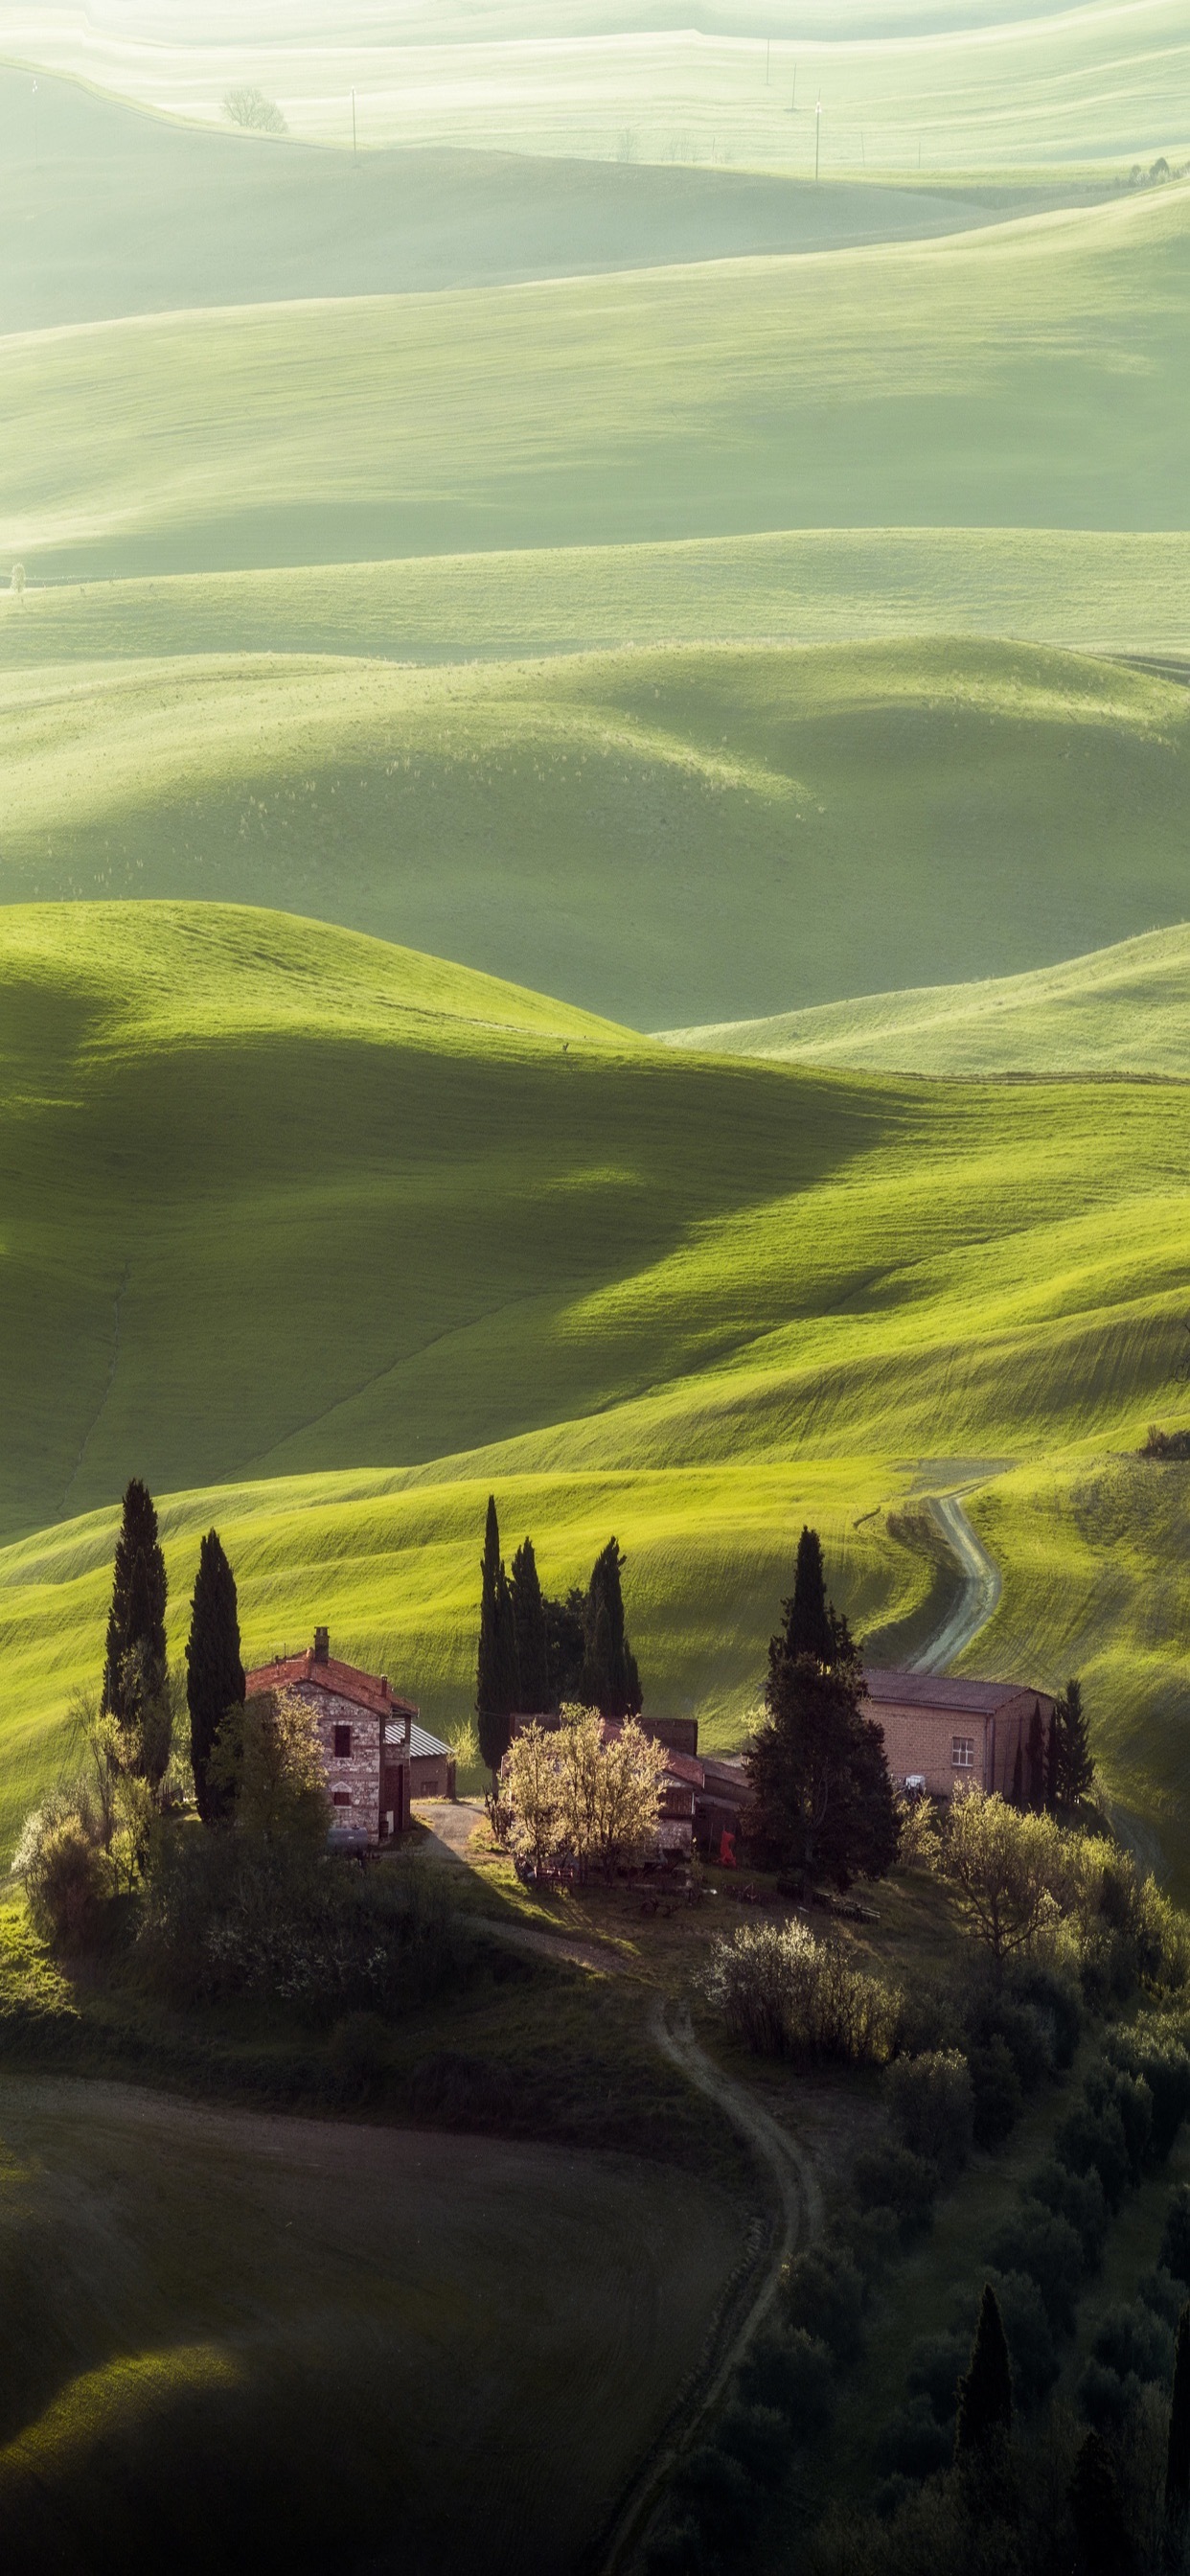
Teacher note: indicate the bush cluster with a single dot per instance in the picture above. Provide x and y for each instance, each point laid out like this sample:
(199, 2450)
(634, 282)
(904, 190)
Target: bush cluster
(786, 1994)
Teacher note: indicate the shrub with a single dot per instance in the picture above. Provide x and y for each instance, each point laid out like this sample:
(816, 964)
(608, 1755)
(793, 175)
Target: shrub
(1009, 1870)
(873, 2239)
(1029, 2336)
(716, 2490)
(1166, 2297)
(998, 2098)
(1105, 2399)
(1093, 2141)
(1046, 2249)
(914, 2444)
(1156, 2054)
(789, 2370)
(67, 1876)
(1174, 2251)
(1133, 2339)
(1056, 2001)
(250, 108)
(759, 2438)
(358, 2052)
(1079, 2198)
(936, 2364)
(824, 2295)
(933, 2105)
(1027, 2035)
(1130, 2098)
(892, 2178)
(786, 1994)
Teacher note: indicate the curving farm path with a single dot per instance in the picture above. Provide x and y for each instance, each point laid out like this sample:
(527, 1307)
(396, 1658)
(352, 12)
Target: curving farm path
(982, 1587)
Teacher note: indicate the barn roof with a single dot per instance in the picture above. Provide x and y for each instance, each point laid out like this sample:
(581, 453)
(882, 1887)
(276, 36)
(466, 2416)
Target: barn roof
(346, 1681)
(423, 1745)
(943, 1692)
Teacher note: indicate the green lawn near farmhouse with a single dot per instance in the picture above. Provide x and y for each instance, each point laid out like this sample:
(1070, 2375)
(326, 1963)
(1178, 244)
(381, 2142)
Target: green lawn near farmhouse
(770, 826)
(1033, 373)
(285, 1204)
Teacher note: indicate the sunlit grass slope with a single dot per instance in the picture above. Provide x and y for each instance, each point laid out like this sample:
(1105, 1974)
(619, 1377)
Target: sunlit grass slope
(1121, 1010)
(672, 81)
(126, 213)
(670, 837)
(278, 1205)
(1033, 373)
(239, 2340)
(1078, 587)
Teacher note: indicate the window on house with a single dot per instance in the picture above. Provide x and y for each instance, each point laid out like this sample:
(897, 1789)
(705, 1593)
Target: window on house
(962, 1752)
(342, 1744)
(340, 1797)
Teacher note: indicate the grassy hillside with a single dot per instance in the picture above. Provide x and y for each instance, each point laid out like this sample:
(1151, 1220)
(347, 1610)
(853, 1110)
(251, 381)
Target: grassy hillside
(1080, 587)
(126, 213)
(1033, 373)
(1121, 1010)
(182, 2384)
(671, 81)
(279, 1206)
(737, 808)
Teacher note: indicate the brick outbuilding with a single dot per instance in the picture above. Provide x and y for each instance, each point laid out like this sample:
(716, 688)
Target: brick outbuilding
(365, 1732)
(941, 1734)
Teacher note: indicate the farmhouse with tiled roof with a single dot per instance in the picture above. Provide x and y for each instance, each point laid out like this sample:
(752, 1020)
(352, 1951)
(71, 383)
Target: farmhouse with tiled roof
(365, 1731)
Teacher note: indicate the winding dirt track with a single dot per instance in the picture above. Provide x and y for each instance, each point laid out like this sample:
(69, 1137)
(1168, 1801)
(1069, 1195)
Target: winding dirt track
(981, 1588)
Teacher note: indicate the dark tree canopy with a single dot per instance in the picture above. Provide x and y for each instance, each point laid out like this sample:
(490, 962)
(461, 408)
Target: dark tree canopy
(808, 1624)
(1177, 2462)
(1076, 1768)
(817, 1766)
(609, 1681)
(985, 2389)
(1036, 1757)
(214, 1669)
(1018, 1777)
(566, 1646)
(496, 1682)
(1097, 2511)
(532, 1643)
(139, 1593)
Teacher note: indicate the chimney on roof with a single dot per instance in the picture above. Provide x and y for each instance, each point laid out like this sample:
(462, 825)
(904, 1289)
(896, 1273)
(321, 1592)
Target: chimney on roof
(322, 1645)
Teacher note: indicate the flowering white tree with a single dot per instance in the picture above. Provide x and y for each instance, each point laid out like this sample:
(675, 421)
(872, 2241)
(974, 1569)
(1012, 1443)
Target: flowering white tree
(570, 1790)
(531, 1791)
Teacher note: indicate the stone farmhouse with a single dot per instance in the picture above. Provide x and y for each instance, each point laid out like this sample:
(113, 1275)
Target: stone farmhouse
(942, 1735)
(367, 1736)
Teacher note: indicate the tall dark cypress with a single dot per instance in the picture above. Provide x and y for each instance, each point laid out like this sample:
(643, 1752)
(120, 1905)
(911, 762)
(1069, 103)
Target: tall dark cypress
(1077, 1765)
(139, 1594)
(496, 1680)
(1053, 1762)
(1177, 2460)
(1097, 2512)
(214, 1668)
(1036, 1758)
(985, 2390)
(809, 1625)
(1018, 1776)
(532, 1643)
(610, 1681)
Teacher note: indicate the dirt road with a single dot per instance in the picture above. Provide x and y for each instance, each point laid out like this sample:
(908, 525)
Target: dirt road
(981, 1588)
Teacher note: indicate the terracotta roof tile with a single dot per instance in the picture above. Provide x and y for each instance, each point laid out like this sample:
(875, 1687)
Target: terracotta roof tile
(943, 1691)
(364, 1690)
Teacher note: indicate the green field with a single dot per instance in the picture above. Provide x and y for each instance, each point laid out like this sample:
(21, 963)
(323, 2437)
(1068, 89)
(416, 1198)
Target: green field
(282, 1204)
(951, 84)
(182, 2383)
(1121, 1010)
(738, 807)
(1034, 373)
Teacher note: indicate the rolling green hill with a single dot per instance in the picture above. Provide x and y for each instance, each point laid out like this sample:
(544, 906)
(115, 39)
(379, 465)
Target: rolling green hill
(282, 1206)
(968, 86)
(126, 213)
(668, 837)
(1121, 1010)
(1037, 372)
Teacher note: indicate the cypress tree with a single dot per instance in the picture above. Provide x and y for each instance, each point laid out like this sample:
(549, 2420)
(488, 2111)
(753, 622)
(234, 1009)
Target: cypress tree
(1018, 1776)
(985, 2390)
(214, 1668)
(532, 1644)
(809, 1624)
(610, 1681)
(566, 1645)
(496, 1691)
(1097, 2512)
(1053, 1763)
(1177, 2463)
(1036, 1758)
(139, 1594)
(1076, 1766)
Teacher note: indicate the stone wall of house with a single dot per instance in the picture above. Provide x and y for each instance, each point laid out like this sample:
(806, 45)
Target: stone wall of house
(359, 1772)
(921, 1741)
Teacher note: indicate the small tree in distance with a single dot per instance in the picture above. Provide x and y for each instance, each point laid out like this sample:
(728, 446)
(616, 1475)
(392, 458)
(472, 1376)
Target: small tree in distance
(250, 108)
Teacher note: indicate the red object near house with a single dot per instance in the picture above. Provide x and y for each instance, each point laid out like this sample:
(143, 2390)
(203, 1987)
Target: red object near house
(365, 1732)
(727, 1859)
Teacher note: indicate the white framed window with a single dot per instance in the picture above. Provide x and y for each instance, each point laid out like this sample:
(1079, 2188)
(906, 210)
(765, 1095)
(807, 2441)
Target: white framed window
(962, 1752)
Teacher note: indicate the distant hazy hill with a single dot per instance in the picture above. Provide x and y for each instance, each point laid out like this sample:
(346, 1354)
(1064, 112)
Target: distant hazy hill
(1120, 1010)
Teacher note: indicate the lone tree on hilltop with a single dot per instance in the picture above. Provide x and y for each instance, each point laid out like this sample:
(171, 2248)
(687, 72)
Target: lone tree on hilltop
(496, 1680)
(214, 1670)
(1076, 1767)
(532, 1644)
(610, 1681)
(808, 1619)
(817, 1765)
(136, 1620)
(1177, 2460)
(985, 2389)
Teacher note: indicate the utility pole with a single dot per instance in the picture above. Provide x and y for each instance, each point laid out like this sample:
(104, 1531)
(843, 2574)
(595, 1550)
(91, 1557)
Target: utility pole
(354, 149)
(817, 135)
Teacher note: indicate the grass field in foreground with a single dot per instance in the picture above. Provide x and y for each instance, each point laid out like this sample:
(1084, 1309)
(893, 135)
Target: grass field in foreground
(897, 81)
(1120, 1010)
(126, 213)
(1084, 588)
(1038, 371)
(183, 2385)
(668, 837)
(279, 1204)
